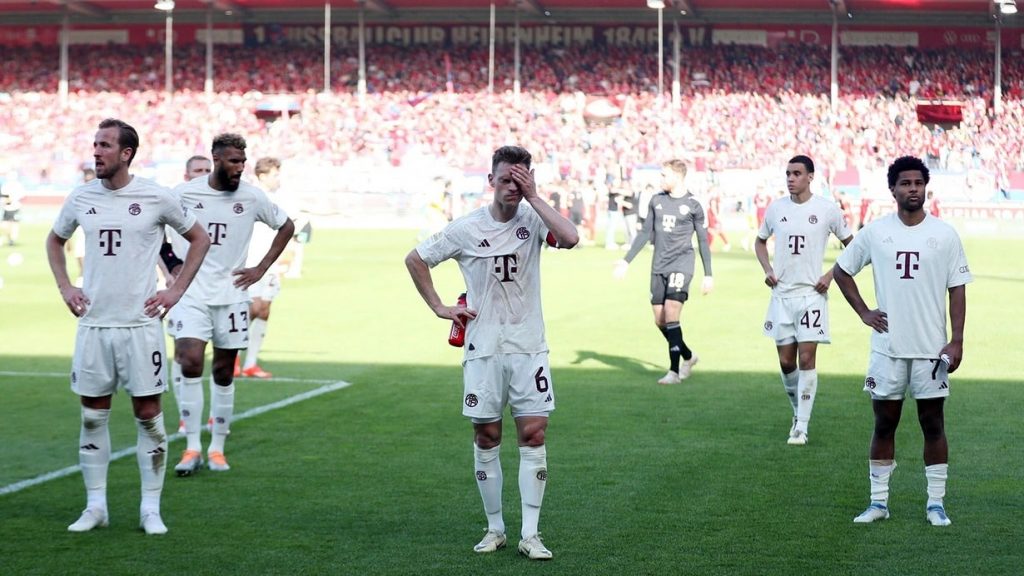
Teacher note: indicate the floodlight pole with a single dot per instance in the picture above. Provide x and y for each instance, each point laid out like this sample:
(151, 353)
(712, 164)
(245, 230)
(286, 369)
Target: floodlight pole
(208, 82)
(490, 61)
(835, 63)
(169, 53)
(676, 41)
(62, 85)
(515, 81)
(327, 47)
(997, 85)
(661, 52)
(361, 88)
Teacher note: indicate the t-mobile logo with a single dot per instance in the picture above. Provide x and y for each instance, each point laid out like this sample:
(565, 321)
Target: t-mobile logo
(797, 243)
(906, 262)
(218, 232)
(505, 266)
(110, 238)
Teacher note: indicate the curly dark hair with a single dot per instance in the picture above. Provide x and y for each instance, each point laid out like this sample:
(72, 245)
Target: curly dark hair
(227, 140)
(903, 164)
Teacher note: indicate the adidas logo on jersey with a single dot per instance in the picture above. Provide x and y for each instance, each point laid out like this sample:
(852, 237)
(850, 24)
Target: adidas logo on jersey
(91, 211)
(198, 206)
(784, 219)
(548, 399)
(484, 244)
(887, 240)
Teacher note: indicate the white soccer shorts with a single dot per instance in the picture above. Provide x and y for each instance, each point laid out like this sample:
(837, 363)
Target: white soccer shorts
(108, 359)
(889, 378)
(226, 326)
(267, 288)
(522, 381)
(799, 319)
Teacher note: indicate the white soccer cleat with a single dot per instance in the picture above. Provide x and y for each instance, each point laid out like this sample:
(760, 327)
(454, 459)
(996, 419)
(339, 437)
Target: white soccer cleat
(90, 518)
(492, 541)
(875, 511)
(686, 366)
(151, 523)
(191, 463)
(937, 515)
(797, 438)
(670, 378)
(217, 463)
(792, 429)
(534, 549)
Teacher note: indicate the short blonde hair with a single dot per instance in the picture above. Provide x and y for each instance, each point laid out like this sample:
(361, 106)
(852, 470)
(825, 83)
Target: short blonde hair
(678, 166)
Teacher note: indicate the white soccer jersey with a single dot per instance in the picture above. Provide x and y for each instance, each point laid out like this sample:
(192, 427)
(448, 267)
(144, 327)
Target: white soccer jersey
(229, 218)
(123, 233)
(500, 262)
(262, 237)
(801, 236)
(913, 267)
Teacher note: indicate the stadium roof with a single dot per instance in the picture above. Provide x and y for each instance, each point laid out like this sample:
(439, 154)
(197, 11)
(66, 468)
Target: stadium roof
(863, 12)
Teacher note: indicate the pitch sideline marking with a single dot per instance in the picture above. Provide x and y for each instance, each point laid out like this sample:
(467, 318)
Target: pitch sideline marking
(326, 388)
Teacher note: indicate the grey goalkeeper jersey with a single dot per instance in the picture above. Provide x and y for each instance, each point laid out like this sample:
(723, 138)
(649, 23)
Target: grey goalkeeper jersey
(671, 224)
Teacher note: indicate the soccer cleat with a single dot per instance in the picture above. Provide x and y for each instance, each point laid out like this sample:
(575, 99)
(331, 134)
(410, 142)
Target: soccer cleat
(181, 426)
(238, 366)
(534, 549)
(492, 541)
(686, 367)
(191, 463)
(151, 523)
(90, 518)
(875, 511)
(792, 429)
(797, 438)
(937, 515)
(217, 462)
(670, 378)
(255, 372)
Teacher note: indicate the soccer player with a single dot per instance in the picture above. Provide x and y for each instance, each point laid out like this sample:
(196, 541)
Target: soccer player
(216, 307)
(120, 339)
(673, 217)
(262, 293)
(498, 249)
(797, 317)
(195, 167)
(916, 260)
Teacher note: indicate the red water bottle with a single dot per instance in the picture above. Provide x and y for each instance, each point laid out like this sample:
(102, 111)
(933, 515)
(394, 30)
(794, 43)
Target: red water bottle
(457, 337)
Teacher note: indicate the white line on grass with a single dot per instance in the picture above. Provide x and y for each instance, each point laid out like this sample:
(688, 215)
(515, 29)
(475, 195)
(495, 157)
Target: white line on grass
(237, 379)
(331, 387)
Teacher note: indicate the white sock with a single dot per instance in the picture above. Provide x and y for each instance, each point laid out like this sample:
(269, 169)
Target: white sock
(190, 403)
(222, 407)
(936, 475)
(790, 382)
(808, 386)
(152, 455)
(176, 379)
(880, 470)
(489, 481)
(533, 476)
(94, 455)
(257, 330)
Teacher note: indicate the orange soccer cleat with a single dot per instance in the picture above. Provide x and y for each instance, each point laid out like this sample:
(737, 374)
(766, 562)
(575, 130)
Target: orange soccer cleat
(256, 372)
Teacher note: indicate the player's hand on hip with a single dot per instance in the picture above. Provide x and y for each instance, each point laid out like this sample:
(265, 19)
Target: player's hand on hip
(160, 303)
(75, 300)
(245, 277)
(821, 286)
(877, 320)
(460, 315)
(621, 267)
(707, 285)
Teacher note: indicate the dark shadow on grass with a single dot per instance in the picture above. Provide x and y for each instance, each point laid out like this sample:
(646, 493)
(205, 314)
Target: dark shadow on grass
(621, 362)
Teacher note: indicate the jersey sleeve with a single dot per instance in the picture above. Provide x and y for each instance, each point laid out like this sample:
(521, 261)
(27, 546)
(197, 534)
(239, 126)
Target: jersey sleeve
(175, 214)
(268, 212)
(857, 254)
(959, 271)
(441, 246)
(837, 224)
(767, 227)
(67, 220)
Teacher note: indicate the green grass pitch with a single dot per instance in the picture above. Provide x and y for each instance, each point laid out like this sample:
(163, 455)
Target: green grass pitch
(377, 478)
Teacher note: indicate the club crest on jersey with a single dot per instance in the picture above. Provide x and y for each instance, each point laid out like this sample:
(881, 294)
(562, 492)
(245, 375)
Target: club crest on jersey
(237, 208)
(932, 243)
(481, 475)
(135, 209)
(768, 325)
(869, 383)
(684, 209)
(522, 233)
(813, 219)
(472, 400)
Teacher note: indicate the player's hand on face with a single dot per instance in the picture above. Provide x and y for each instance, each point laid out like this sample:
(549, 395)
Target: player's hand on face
(160, 303)
(246, 277)
(877, 320)
(707, 285)
(523, 177)
(621, 267)
(75, 300)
